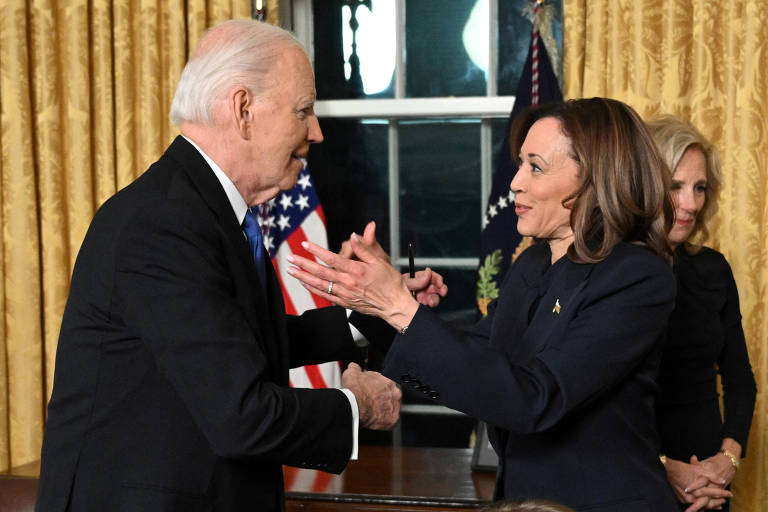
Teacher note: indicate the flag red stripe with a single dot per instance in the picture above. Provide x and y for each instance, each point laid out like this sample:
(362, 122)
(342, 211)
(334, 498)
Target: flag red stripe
(315, 377)
(294, 242)
(320, 213)
(289, 475)
(322, 479)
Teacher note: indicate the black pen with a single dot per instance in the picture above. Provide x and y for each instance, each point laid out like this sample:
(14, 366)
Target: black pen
(411, 267)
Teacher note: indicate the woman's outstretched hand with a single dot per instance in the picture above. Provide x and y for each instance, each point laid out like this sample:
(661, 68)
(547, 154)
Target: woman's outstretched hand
(369, 285)
(369, 240)
(427, 286)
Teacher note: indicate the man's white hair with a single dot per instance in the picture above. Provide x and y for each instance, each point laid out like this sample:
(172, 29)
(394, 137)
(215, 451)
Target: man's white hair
(236, 52)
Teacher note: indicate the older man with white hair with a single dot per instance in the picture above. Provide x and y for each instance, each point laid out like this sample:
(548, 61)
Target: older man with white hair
(171, 386)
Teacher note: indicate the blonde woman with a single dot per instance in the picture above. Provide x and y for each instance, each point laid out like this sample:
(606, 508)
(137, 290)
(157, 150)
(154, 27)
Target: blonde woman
(705, 337)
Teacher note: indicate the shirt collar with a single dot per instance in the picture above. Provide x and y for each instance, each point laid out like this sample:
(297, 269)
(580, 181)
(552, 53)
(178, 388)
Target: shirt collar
(239, 206)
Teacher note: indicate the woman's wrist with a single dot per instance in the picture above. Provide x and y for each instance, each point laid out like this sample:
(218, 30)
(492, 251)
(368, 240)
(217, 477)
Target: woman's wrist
(731, 450)
(732, 446)
(402, 314)
(733, 459)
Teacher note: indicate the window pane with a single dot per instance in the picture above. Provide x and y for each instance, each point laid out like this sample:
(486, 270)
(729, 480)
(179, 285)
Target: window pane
(354, 57)
(514, 30)
(440, 187)
(499, 132)
(447, 48)
(350, 171)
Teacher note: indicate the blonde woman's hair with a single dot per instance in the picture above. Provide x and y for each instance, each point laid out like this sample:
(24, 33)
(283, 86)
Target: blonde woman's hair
(527, 506)
(674, 137)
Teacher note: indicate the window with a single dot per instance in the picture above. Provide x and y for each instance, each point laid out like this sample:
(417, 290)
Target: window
(413, 101)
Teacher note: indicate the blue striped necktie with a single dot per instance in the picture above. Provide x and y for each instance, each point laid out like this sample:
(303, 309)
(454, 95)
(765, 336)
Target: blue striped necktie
(253, 233)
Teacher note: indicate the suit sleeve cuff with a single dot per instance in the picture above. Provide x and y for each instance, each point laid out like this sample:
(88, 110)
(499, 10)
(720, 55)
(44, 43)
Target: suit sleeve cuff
(355, 421)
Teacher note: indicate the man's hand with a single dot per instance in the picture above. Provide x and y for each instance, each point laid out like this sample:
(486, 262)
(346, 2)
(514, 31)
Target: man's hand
(378, 398)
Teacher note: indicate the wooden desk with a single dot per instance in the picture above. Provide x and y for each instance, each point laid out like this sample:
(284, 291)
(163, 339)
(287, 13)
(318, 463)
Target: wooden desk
(387, 479)
(384, 479)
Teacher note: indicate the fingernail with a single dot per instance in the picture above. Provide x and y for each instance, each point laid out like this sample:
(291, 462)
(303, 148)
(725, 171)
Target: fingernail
(290, 270)
(290, 258)
(305, 244)
(355, 237)
(686, 490)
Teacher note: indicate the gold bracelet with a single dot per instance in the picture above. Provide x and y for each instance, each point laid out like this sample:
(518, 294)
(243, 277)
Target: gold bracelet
(734, 459)
(663, 459)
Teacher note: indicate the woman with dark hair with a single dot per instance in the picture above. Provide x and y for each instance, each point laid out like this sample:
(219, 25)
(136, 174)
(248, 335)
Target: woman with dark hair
(705, 337)
(563, 367)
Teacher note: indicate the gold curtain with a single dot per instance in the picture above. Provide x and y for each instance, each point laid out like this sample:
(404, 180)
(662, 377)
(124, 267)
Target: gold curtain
(706, 62)
(85, 89)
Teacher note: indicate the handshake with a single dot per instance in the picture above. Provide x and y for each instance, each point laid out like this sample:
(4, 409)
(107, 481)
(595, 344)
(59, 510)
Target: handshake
(378, 398)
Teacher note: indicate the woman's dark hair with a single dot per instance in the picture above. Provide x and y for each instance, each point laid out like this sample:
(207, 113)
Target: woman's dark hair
(624, 184)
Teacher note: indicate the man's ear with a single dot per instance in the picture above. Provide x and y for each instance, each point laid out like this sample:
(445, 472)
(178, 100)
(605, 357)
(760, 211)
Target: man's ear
(241, 104)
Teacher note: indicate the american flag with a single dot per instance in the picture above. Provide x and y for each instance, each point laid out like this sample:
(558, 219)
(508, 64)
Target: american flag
(286, 221)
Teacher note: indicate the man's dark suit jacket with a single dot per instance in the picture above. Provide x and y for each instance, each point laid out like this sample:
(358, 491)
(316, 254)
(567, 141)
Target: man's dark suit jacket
(171, 384)
(562, 369)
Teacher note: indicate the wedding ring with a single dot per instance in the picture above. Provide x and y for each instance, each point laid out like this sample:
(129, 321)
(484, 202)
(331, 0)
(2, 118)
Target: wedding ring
(330, 287)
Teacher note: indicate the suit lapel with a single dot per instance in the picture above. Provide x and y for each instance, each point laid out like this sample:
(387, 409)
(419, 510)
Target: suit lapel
(519, 290)
(265, 321)
(275, 294)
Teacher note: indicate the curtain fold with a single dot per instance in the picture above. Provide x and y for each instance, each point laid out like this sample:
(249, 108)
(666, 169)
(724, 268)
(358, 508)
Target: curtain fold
(85, 90)
(21, 276)
(706, 62)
